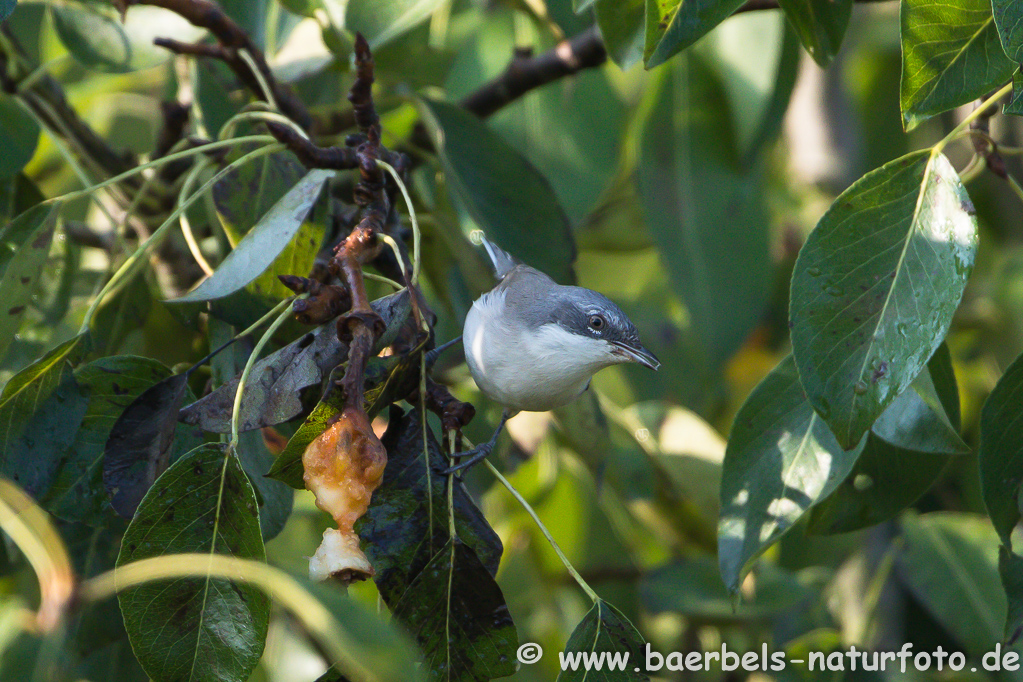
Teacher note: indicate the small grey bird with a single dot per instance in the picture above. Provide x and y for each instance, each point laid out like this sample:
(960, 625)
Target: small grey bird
(533, 344)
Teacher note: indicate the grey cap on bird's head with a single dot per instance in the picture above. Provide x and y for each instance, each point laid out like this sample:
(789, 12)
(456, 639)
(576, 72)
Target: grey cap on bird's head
(537, 300)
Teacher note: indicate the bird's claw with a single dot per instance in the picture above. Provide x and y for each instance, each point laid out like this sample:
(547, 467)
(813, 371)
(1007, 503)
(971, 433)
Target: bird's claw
(472, 457)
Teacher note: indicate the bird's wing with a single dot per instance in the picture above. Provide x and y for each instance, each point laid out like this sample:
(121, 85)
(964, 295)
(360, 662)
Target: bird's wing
(503, 261)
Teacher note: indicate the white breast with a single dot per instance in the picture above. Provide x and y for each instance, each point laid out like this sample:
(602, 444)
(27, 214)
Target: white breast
(531, 370)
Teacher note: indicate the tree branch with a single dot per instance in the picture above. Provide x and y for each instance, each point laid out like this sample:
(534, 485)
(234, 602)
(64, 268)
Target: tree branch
(525, 72)
(232, 39)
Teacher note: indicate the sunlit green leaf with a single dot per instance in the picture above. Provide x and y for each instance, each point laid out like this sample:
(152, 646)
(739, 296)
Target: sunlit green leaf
(505, 195)
(264, 243)
(875, 287)
(196, 628)
(41, 408)
(674, 25)
(821, 25)
(950, 563)
(951, 55)
(95, 35)
(24, 247)
(704, 210)
(19, 135)
(605, 631)
(458, 613)
(380, 21)
(781, 460)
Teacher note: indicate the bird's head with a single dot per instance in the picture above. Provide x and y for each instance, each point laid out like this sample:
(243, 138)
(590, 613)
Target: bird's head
(599, 327)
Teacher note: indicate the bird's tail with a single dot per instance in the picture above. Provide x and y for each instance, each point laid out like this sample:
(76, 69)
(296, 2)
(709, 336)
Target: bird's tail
(503, 261)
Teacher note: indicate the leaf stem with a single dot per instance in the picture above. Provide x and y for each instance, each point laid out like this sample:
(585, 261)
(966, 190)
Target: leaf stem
(971, 117)
(258, 75)
(543, 529)
(126, 269)
(380, 278)
(313, 615)
(186, 225)
(156, 163)
(416, 237)
(33, 533)
(272, 116)
(283, 312)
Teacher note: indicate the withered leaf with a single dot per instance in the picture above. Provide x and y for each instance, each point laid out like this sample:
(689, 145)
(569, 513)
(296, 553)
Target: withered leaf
(137, 449)
(272, 391)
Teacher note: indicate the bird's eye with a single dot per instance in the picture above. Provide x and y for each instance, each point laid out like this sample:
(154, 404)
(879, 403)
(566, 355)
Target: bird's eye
(597, 322)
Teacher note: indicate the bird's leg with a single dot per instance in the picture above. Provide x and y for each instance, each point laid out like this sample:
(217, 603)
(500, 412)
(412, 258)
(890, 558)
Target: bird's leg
(481, 451)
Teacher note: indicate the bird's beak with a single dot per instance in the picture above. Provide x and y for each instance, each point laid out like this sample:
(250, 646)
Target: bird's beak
(640, 355)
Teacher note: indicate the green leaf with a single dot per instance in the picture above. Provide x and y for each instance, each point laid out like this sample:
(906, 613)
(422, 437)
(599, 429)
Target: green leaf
(584, 114)
(19, 136)
(305, 8)
(1015, 105)
(693, 588)
(41, 408)
(1010, 568)
(885, 480)
(196, 628)
(6, 7)
(951, 55)
(759, 89)
(710, 223)
(950, 563)
(622, 26)
(381, 21)
(674, 25)
(407, 522)
(96, 37)
(821, 25)
(888, 478)
(273, 498)
(21, 264)
(781, 460)
(258, 250)
(604, 629)
(250, 191)
(460, 617)
(1001, 450)
(1008, 16)
(875, 286)
(121, 314)
(926, 418)
(112, 384)
(505, 195)
(17, 195)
